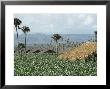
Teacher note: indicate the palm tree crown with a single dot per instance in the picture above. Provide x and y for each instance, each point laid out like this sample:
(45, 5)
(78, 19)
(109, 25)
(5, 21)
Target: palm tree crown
(17, 22)
(25, 29)
(56, 37)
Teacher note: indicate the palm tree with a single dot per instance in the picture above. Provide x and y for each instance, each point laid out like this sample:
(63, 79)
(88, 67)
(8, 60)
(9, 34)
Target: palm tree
(56, 37)
(25, 29)
(17, 22)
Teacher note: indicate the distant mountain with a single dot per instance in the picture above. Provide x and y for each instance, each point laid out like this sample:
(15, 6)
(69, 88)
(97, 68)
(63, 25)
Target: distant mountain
(39, 38)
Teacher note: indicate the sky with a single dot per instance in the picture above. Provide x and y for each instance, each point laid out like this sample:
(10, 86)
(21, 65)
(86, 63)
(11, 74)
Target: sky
(81, 23)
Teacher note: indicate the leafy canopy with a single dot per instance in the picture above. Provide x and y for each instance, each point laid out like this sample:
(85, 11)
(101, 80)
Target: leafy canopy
(25, 29)
(17, 22)
(56, 37)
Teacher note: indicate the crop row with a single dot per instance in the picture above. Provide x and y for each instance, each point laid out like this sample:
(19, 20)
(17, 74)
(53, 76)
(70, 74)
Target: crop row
(49, 65)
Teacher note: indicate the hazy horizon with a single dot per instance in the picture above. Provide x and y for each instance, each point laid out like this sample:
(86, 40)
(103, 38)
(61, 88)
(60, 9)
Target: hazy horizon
(55, 33)
(45, 39)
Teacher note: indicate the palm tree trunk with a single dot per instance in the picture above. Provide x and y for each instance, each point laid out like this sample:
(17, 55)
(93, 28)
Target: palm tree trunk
(17, 36)
(17, 39)
(25, 42)
(57, 48)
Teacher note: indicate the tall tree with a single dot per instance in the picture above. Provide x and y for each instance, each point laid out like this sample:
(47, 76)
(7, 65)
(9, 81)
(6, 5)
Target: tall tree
(56, 37)
(17, 22)
(25, 29)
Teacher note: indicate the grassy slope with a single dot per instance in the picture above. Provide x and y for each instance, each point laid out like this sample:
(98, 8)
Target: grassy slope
(81, 52)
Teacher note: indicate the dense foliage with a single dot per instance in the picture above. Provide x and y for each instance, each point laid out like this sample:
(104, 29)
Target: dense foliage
(49, 65)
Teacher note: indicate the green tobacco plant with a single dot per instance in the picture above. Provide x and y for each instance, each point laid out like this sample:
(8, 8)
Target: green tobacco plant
(50, 65)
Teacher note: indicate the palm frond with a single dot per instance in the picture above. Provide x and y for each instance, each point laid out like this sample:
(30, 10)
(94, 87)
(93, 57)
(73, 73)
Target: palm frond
(17, 22)
(25, 29)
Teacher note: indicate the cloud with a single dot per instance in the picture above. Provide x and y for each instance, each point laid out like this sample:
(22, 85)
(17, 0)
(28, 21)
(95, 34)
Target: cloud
(81, 16)
(88, 20)
(83, 23)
